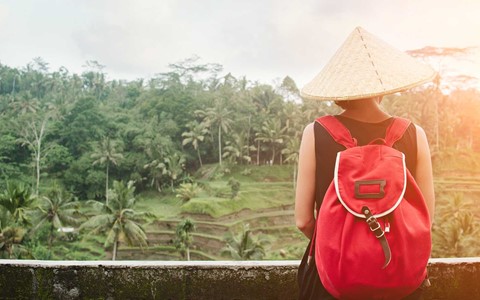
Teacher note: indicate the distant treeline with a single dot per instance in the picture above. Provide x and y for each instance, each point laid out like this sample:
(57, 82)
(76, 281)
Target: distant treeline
(81, 131)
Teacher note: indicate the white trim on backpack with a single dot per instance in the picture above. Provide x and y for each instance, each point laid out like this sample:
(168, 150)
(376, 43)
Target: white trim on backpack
(335, 180)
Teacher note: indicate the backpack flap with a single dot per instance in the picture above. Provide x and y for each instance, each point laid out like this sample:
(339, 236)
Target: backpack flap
(374, 176)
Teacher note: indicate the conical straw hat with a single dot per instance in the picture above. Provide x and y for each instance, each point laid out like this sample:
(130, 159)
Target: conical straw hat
(364, 67)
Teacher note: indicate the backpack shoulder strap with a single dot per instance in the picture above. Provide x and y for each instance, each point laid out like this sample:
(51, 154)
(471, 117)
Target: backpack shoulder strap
(337, 131)
(396, 130)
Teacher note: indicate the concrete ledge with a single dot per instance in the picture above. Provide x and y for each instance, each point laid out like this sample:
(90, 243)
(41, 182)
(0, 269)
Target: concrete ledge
(457, 278)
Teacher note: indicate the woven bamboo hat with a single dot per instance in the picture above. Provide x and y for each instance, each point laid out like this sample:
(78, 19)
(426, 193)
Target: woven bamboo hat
(365, 66)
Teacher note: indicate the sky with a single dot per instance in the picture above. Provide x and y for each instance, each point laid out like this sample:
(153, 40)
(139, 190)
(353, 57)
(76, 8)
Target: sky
(264, 40)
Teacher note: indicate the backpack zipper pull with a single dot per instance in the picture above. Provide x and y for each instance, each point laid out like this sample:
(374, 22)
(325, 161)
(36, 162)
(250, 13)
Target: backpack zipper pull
(387, 226)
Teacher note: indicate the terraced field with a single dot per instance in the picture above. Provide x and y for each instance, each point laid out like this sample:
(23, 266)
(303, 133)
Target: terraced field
(273, 218)
(276, 223)
(265, 203)
(458, 184)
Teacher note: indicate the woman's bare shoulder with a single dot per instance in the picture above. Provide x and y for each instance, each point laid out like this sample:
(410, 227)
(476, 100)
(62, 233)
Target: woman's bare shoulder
(421, 137)
(309, 129)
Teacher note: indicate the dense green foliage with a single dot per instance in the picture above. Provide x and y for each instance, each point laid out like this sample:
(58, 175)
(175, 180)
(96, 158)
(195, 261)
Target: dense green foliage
(80, 129)
(81, 132)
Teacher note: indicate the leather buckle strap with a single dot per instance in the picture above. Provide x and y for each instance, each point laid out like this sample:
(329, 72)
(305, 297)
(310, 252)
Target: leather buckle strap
(375, 227)
(381, 189)
(379, 234)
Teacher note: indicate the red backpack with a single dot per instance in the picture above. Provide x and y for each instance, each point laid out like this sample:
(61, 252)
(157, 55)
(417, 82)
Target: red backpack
(372, 235)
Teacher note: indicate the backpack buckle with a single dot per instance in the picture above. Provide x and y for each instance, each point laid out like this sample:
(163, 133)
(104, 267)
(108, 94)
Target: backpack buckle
(379, 234)
(374, 226)
(378, 182)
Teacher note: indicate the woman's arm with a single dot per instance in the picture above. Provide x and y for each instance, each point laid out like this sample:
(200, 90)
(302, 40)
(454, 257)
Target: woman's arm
(424, 175)
(305, 193)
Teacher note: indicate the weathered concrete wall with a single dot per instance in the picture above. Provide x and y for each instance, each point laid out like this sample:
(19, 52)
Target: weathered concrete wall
(451, 279)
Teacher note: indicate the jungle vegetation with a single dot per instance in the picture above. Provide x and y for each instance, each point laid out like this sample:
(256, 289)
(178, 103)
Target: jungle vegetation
(77, 150)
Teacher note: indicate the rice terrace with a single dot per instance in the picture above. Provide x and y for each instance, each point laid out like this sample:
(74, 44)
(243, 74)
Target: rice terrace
(193, 163)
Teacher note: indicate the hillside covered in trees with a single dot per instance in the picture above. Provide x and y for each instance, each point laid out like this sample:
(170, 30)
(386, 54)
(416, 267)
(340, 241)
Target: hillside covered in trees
(66, 136)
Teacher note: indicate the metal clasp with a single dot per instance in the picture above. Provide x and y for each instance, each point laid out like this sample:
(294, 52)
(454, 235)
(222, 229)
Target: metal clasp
(381, 193)
(374, 225)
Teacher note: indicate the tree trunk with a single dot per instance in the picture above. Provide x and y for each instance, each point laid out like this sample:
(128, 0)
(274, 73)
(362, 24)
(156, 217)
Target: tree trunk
(220, 145)
(38, 149)
(106, 187)
(199, 157)
(258, 153)
(13, 87)
(188, 253)
(273, 155)
(37, 166)
(114, 254)
(50, 237)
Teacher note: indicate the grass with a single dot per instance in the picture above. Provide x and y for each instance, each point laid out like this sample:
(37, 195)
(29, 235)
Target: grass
(274, 173)
(213, 237)
(252, 195)
(456, 161)
(254, 173)
(218, 207)
(86, 247)
(163, 206)
(264, 187)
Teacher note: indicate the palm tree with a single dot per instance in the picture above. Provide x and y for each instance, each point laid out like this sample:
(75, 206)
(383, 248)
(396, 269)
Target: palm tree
(238, 148)
(457, 229)
(171, 165)
(106, 153)
(183, 236)
(94, 78)
(292, 152)
(11, 237)
(187, 191)
(118, 219)
(272, 133)
(17, 200)
(457, 238)
(257, 127)
(265, 99)
(25, 104)
(156, 148)
(244, 246)
(155, 173)
(219, 116)
(58, 209)
(455, 206)
(294, 119)
(195, 136)
(288, 90)
(15, 207)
